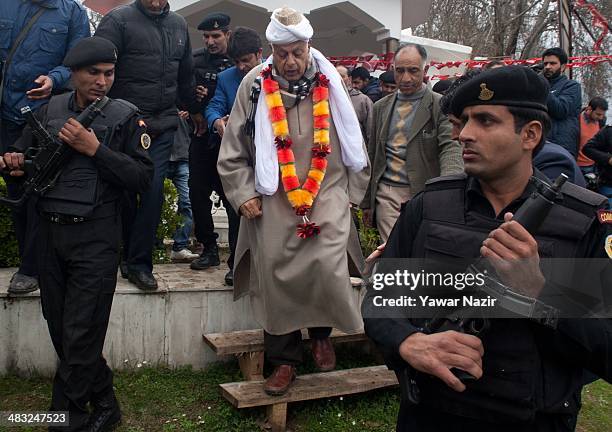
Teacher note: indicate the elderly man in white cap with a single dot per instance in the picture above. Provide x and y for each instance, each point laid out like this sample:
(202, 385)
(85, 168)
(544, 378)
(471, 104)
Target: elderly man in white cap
(293, 161)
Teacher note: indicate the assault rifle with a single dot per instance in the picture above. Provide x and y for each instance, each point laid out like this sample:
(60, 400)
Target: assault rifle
(44, 163)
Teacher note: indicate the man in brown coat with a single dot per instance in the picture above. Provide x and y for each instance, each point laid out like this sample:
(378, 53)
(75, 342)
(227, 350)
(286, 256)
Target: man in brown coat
(295, 279)
(363, 105)
(410, 142)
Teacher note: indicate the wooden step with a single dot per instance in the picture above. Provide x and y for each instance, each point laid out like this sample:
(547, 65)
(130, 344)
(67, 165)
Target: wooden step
(248, 394)
(247, 341)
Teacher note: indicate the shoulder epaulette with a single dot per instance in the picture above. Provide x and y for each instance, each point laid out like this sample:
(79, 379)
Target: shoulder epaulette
(451, 181)
(583, 195)
(129, 106)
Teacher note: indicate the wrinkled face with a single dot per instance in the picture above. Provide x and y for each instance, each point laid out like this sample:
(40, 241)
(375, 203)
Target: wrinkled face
(408, 69)
(154, 5)
(491, 146)
(387, 88)
(552, 66)
(344, 75)
(216, 41)
(291, 60)
(92, 82)
(359, 83)
(596, 114)
(247, 62)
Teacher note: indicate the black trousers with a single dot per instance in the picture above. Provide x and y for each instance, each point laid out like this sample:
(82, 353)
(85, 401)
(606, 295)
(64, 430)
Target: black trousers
(417, 418)
(203, 180)
(288, 349)
(25, 218)
(77, 282)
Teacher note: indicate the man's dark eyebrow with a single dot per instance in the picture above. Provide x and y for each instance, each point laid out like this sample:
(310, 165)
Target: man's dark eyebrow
(485, 116)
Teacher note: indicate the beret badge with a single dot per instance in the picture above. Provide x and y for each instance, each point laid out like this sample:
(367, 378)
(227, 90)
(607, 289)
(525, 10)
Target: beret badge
(485, 93)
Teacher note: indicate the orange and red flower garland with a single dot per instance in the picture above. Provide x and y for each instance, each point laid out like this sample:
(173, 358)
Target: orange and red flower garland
(301, 197)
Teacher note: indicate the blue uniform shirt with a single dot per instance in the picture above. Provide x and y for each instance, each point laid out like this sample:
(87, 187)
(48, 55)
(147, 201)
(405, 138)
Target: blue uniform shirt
(221, 104)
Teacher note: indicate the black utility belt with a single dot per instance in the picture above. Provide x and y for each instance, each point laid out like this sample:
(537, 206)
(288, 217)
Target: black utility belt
(104, 211)
(63, 219)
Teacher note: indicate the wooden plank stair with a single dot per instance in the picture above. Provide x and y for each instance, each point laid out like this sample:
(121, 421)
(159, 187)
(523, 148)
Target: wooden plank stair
(247, 345)
(250, 394)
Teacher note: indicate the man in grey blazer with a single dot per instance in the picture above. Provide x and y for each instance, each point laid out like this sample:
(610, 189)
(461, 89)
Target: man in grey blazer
(410, 142)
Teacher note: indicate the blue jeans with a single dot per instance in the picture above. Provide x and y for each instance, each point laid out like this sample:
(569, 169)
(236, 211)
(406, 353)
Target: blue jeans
(607, 191)
(140, 218)
(178, 172)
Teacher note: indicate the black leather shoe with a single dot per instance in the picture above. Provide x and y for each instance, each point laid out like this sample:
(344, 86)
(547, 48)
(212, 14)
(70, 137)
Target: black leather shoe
(208, 258)
(143, 280)
(123, 269)
(229, 278)
(106, 415)
(22, 284)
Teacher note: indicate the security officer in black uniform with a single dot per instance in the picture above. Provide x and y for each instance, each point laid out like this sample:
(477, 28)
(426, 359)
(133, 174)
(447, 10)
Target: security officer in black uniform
(204, 150)
(80, 230)
(528, 375)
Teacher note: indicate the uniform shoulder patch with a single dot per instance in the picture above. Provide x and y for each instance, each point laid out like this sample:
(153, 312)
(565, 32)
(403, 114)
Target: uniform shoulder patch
(608, 246)
(145, 141)
(604, 216)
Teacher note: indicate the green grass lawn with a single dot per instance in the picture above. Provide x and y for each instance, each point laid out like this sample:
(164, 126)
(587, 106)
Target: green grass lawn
(187, 400)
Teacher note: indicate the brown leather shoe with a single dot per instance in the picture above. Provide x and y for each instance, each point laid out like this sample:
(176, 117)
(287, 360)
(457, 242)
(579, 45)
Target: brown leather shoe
(323, 354)
(279, 382)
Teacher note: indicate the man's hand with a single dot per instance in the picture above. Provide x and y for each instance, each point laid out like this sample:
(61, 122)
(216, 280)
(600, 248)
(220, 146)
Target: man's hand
(219, 125)
(199, 124)
(367, 217)
(610, 161)
(513, 252)
(201, 93)
(252, 208)
(376, 254)
(76, 136)
(43, 91)
(13, 162)
(437, 353)
(183, 114)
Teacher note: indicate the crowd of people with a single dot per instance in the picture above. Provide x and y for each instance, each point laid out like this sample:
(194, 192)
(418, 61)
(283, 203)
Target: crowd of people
(293, 145)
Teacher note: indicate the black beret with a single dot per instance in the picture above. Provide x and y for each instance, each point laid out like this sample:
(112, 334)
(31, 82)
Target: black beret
(89, 51)
(387, 77)
(215, 21)
(515, 86)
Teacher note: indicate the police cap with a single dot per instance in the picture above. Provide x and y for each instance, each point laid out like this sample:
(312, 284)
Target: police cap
(215, 21)
(90, 51)
(515, 86)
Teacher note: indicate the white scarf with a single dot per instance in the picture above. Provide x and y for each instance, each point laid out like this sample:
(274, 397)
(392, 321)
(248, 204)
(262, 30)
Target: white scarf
(342, 114)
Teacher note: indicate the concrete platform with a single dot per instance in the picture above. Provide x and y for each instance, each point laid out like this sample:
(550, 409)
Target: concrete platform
(164, 327)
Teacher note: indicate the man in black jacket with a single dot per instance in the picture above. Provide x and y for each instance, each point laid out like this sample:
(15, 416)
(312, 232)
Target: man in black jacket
(78, 241)
(209, 61)
(154, 69)
(526, 373)
(599, 148)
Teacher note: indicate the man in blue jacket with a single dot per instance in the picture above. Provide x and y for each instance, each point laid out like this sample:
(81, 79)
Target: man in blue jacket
(564, 101)
(30, 75)
(245, 50)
